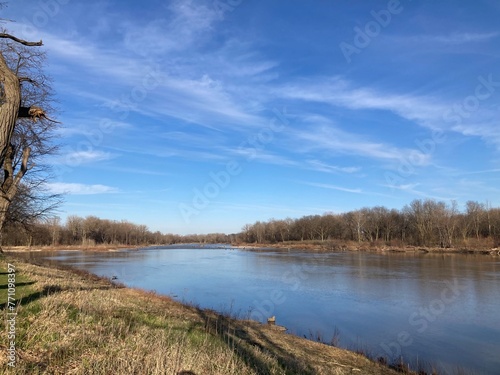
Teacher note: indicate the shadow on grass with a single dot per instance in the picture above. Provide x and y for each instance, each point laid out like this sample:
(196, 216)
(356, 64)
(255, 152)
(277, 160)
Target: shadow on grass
(6, 286)
(47, 290)
(247, 345)
(38, 260)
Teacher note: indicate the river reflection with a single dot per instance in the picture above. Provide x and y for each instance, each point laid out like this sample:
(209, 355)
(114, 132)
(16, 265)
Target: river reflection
(437, 309)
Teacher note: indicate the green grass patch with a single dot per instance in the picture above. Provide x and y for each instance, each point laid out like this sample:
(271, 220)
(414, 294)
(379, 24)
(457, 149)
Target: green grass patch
(12, 280)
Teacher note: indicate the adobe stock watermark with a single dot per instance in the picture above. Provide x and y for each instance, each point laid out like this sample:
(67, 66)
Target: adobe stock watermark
(220, 180)
(463, 110)
(11, 308)
(41, 17)
(455, 116)
(372, 29)
(408, 165)
(421, 320)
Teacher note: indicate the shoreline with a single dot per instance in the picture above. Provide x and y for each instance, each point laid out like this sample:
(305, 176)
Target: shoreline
(69, 312)
(314, 246)
(96, 248)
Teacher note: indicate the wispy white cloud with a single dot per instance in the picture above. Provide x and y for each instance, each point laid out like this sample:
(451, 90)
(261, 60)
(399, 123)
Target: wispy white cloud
(404, 187)
(240, 59)
(84, 157)
(207, 89)
(486, 171)
(86, 54)
(192, 91)
(182, 23)
(137, 171)
(483, 125)
(79, 189)
(89, 127)
(324, 135)
(340, 92)
(252, 154)
(454, 38)
(73, 158)
(470, 185)
(334, 187)
(431, 111)
(410, 189)
(203, 101)
(179, 151)
(323, 167)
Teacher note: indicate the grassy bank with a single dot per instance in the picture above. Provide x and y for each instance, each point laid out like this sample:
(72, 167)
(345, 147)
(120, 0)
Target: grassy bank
(76, 323)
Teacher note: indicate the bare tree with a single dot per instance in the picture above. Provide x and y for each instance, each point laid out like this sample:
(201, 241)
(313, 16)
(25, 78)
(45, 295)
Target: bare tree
(475, 212)
(356, 221)
(323, 225)
(21, 97)
(447, 221)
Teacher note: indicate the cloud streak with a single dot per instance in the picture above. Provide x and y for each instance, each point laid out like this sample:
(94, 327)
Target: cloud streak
(455, 38)
(430, 112)
(79, 189)
(321, 136)
(334, 187)
(85, 157)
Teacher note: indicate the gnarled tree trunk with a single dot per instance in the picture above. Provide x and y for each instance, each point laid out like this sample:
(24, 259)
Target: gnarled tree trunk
(10, 104)
(10, 101)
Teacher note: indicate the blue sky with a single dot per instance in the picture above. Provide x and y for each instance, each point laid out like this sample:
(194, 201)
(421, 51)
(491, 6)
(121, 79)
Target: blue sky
(201, 116)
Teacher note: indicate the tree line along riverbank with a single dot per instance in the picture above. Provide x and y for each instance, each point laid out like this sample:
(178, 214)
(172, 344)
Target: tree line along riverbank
(73, 322)
(378, 247)
(422, 224)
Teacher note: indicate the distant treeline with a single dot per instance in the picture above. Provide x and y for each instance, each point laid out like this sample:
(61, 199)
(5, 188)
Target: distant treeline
(426, 223)
(93, 231)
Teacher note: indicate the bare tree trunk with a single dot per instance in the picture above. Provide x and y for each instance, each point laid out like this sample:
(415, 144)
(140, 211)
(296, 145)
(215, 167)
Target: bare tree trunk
(10, 101)
(10, 184)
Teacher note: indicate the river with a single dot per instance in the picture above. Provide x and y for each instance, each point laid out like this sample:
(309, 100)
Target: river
(434, 310)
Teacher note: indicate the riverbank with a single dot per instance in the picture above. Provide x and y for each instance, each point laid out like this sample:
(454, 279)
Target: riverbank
(333, 246)
(72, 322)
(313, 246)
(103, 247)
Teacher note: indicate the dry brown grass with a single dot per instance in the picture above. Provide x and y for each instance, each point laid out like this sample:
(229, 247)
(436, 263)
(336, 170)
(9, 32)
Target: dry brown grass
(100, 247)
(79, 324)
(473, 246)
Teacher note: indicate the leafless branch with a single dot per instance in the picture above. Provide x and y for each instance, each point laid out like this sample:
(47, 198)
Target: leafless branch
(27, 79)
(21, 41)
